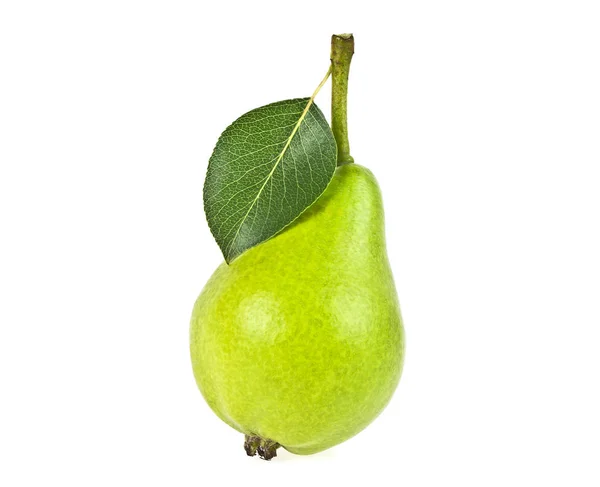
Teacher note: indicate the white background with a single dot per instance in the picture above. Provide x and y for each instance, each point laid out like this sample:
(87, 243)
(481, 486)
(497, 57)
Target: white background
(481, 121)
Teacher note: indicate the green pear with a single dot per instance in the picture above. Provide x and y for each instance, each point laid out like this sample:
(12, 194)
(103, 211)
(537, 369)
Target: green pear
(299, 342)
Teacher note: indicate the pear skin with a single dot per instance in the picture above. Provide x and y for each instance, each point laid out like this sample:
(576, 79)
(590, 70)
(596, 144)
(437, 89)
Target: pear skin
(299, 341)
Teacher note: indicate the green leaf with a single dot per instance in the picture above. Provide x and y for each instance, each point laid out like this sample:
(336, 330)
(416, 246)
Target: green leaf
(267, 167)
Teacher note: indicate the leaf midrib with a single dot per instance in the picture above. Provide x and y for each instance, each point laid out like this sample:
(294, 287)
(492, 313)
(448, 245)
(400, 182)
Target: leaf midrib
(270, 175)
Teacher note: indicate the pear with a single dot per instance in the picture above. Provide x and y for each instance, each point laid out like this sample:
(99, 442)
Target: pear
(299, 341)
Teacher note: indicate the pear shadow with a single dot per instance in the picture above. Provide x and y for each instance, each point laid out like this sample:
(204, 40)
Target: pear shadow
(317, 207)
(284, 456)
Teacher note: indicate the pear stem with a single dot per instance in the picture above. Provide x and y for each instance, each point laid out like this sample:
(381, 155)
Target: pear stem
(342, 49)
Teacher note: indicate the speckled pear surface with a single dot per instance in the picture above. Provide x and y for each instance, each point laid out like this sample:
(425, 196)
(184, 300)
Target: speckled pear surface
(300, 339)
